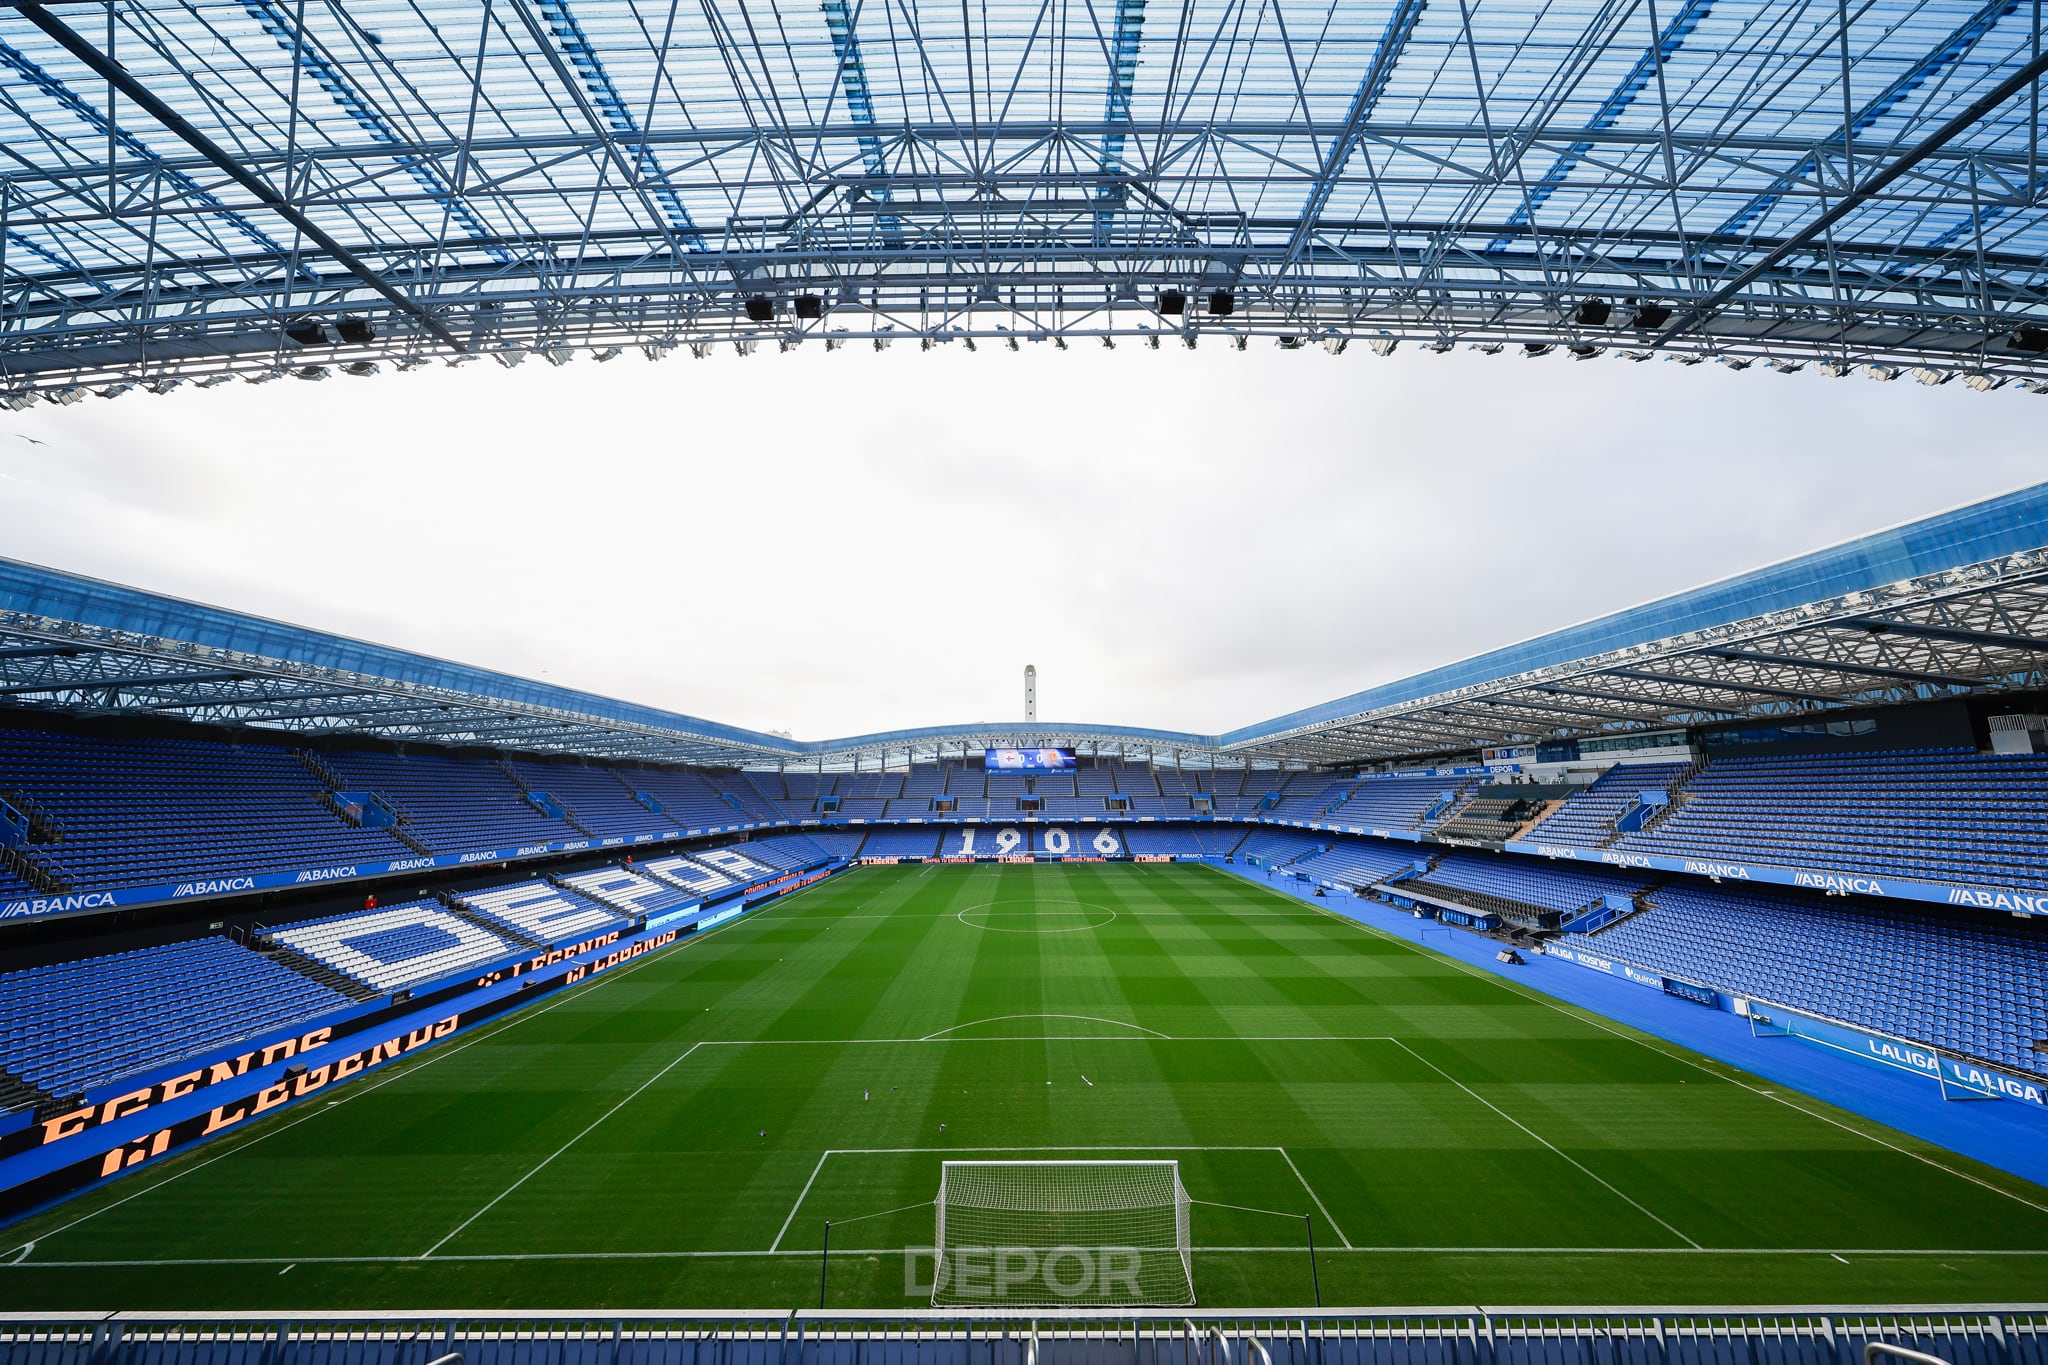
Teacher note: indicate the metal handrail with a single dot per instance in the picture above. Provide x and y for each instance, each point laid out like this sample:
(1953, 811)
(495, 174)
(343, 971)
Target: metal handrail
(1872, 1350)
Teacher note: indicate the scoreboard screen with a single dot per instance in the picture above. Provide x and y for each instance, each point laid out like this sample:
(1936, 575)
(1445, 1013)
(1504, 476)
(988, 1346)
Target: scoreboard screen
(1028, 760)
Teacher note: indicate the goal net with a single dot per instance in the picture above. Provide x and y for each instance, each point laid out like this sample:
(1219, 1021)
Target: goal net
(1048, 1233)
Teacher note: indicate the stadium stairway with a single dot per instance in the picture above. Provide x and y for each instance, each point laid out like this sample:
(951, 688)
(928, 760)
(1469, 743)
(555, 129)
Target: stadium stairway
(314, 970)
(546, 803)
(511, 933)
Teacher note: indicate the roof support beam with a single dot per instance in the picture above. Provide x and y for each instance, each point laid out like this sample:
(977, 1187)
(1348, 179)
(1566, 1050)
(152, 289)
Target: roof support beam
(138, 94)
(1955, 635)
(1912, 675)
(1720, 684)
(1862, 194)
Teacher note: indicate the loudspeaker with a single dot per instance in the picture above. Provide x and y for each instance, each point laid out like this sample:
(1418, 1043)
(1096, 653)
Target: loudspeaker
(810, 307)
(1172, 303)
(1222, 303)
(760, 308)
(307, 333)
(1651, 315)
(1592, 312)
(356, 331)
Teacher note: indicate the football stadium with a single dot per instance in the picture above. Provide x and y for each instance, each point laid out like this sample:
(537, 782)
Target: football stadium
(1667, 988)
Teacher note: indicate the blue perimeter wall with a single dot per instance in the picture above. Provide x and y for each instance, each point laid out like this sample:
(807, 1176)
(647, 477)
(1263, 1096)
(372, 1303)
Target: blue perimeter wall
(2010, 1137)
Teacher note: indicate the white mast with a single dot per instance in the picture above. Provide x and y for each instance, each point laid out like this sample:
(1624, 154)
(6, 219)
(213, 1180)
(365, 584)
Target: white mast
(1030, 693)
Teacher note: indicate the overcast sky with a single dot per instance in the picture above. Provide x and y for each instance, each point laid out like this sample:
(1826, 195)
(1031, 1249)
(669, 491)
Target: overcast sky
(836, 544)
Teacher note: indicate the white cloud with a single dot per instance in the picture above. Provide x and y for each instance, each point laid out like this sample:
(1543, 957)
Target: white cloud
(853, 542)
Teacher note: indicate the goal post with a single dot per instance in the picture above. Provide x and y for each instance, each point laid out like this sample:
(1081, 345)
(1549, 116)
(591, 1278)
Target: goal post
(1050, 1233)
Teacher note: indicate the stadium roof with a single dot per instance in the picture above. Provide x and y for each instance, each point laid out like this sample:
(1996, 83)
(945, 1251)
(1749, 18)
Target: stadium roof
(1952, 605)
(196, 189)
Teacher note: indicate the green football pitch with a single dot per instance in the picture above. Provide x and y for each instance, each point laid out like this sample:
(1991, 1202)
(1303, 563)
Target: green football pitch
(678, 1133)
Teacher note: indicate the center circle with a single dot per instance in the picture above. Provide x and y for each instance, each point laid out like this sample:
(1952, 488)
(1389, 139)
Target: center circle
(1029, 917)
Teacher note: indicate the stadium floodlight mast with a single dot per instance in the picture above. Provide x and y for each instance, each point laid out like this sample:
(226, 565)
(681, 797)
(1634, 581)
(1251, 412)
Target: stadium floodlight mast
(1028, 1233)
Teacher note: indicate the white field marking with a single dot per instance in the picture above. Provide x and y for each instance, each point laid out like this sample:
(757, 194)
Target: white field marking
(1649, 1042)
(1313, 1195)
(830, 1152)
(1582, 1166)
(801, 1196)
(1001, 1018)
(22, 1254)
(634, 1094)
(460, 1257)
(402, 1068)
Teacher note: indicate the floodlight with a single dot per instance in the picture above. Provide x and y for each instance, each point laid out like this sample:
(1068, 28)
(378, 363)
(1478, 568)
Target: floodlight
(1335, 343)
(410, 362)
(608, 353)
(65, 397)
(1686, 358)
(1638, 356)
(1242, 340)
(1060, 342)
(1582, 351)
(116, 390)
(1188, 340)
(1884, 374)
(656, 350)
(1440, 345)
(1290, 343)
(18, 399)
(1735, 362)
(1152, 340)
(1013, 342)
(310, 373)
(1386, 345)
(745, 345)
(700, 350)
(835, 339)
(1532, 349)
(2035, 385)
(1784, 366)
(1984, 383)
(361, 368)
(1488, 347)
(1931, 378)
(163, 385)
(557, 355)
(1834, 369)
(262, 376)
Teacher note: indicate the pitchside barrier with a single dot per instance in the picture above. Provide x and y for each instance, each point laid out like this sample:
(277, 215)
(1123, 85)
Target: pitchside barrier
(1419, 1336)
(140, 1120)
(1960, 1078)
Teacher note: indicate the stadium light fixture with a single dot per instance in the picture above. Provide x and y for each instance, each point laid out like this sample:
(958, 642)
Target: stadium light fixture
(1638, 356)
(1532, 349)
(1931, 378)
(656, 350)
(18, 400)
(1386, 345)
(1242, 340)
(1335, 342)
(1687, 358)
(1187, 339)
(557, 355)
(163, 385)
(1440, 345)
(700, 350)
(262, 376)
(1584, 351)
(746, 345)
(1883, 374)
(1290, 343)
(2035, 385)
(312, 374)
(1835, 369)
(1784, 366)
(116, 390)
(362, 369)
(608, 353)
(1488, 347)
(1735, 362)
(65, 397)
(1983, 383)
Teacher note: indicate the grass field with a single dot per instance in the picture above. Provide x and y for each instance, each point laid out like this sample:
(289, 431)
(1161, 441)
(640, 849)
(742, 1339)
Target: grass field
(676, 1134)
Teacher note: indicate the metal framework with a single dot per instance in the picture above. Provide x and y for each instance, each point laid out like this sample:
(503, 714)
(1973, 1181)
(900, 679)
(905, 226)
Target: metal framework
(1952, 605)
(194, 190)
